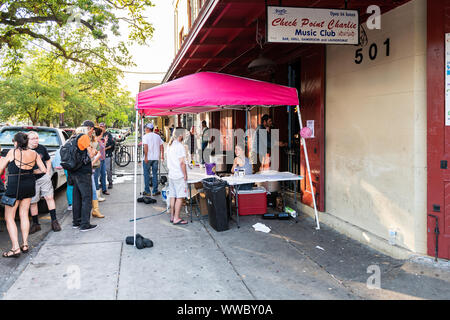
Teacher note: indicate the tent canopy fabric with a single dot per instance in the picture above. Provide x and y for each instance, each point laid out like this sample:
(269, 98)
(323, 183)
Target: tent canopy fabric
(210, 91)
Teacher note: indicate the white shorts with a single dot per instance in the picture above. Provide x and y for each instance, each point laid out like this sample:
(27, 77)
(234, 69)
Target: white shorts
(44, 188)
(177, 188)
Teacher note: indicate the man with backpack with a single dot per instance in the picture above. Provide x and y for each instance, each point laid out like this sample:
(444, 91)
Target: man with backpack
(76, 160)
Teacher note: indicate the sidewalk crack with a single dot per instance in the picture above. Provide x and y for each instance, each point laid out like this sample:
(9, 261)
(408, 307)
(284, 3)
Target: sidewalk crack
(81, 243)
(339, 281)
(229, 261)
(118, 272)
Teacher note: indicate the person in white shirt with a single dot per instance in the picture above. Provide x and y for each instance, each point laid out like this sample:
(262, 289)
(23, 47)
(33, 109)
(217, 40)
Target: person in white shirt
(153, 148)
(176, 163)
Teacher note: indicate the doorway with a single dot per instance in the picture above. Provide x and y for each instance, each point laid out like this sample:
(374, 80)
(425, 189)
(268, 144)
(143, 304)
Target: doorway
(438, 134)
(308, 76)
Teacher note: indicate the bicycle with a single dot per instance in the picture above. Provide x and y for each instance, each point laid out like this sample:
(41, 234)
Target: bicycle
(121, 156)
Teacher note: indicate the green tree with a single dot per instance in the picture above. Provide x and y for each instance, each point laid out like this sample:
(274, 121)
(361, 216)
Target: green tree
(27, 95)
(46, 87)
(77, 30)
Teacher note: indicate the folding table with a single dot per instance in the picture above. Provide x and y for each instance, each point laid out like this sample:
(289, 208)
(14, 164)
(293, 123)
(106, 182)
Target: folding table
(235, 182)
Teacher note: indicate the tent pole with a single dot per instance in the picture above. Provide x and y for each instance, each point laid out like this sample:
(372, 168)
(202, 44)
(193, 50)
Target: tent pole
(135, 173)
(309, 170)
(246, 130)
(142, 148)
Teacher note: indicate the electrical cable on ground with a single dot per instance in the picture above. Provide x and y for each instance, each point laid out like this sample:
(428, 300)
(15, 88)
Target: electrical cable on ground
(153, 215)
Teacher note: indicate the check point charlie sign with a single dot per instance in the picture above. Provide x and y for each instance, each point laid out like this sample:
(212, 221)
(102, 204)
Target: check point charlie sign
(306, 25)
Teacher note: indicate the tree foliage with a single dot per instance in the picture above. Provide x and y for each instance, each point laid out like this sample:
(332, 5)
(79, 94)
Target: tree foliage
(77, 30)
(46, 88)
(65, 56)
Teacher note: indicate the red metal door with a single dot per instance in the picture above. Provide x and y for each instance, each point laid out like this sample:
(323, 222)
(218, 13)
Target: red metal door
(438, 135)
(312, 106)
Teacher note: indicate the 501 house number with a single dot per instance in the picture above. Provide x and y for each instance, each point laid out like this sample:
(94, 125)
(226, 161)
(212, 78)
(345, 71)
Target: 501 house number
(373, 51)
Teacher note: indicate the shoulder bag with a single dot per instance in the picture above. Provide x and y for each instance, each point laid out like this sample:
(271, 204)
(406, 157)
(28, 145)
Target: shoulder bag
(9, 201)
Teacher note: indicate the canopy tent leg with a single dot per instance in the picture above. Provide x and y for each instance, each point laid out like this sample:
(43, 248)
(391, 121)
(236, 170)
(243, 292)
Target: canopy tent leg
(246, 131)
(309, 170)
(142, 148)
(135, 173)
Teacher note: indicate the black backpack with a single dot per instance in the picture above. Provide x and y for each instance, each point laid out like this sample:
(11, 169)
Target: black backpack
(113, 142)
(2, 187)
(71, 159)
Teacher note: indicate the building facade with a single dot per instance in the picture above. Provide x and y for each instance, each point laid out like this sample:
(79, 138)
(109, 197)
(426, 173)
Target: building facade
(378, 158)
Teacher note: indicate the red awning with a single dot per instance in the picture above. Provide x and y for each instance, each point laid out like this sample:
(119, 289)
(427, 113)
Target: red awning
(223, 37)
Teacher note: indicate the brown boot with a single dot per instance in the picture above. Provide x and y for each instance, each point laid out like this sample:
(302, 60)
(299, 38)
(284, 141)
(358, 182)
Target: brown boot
(95, 210)
(55, 226)
(35, 228)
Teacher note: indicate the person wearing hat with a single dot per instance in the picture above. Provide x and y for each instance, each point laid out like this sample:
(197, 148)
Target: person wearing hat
(101, 172)
(109, 148)
(82, 179)
(153, 148)
(95, 156)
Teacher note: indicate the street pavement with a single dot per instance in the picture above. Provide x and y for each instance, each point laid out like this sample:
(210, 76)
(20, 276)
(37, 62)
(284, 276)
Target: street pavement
(291, 262)
(11, 268)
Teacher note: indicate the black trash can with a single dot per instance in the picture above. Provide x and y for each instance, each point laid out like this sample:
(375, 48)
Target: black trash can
(216, 201)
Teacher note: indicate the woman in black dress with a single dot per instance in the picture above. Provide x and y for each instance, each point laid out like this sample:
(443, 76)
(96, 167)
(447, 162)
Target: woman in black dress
(21, 186)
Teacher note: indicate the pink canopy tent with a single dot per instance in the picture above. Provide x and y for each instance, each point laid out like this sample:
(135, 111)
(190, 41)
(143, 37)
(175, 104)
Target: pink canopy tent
(210, 91)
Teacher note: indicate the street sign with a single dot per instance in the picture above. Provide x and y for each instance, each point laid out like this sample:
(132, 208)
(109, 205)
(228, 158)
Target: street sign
(311, 25)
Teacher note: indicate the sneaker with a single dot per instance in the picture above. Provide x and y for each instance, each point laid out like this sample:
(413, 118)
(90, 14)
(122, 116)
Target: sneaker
(110, 186)
(35, 228)
(69, 208)
(106, 192)
(75, 226)
(91, 227)
(55, 226)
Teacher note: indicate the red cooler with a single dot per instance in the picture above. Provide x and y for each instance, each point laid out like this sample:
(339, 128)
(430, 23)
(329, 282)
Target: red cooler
(252, 201)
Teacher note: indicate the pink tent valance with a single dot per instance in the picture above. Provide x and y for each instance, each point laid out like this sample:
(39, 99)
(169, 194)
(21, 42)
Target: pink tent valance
(209, 91)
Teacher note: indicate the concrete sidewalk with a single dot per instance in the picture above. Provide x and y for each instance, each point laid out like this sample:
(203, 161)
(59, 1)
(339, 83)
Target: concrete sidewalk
(293, 261)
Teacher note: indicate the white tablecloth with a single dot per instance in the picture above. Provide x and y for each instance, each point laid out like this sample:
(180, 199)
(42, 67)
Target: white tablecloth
(262, 177)
(196, 174)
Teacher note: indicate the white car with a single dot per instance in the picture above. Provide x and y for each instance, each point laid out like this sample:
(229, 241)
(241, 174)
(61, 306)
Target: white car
(51, 138)
(124, 132)
(117, 134)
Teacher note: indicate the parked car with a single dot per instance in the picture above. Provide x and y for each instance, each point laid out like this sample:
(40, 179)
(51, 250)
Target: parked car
(69, 131)
(124, 132)
(117, 135)
(127, 130)
(51, 138)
